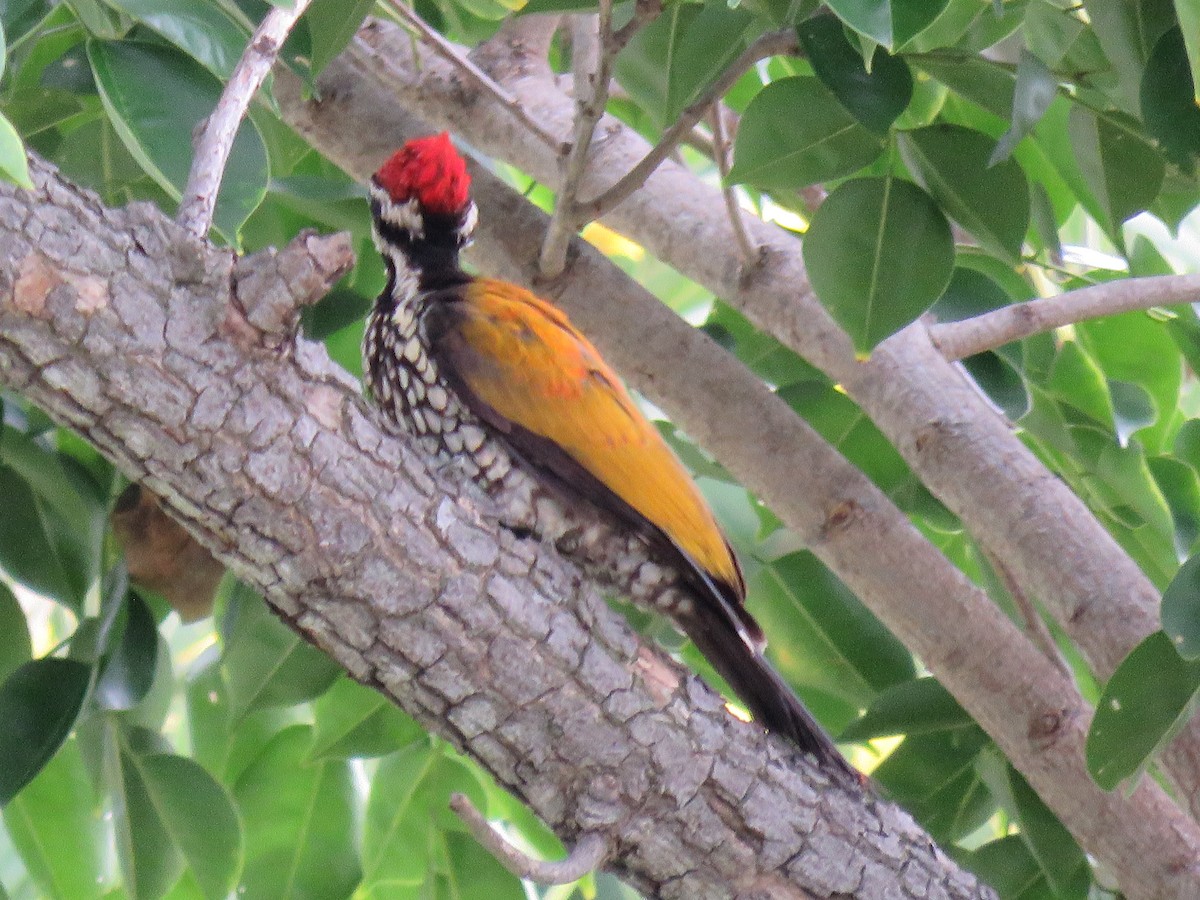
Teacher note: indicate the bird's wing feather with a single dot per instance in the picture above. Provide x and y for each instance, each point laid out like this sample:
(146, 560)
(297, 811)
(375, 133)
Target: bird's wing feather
(527, 371)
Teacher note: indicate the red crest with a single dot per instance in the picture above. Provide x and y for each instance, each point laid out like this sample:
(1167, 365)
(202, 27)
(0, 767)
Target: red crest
(429, 169)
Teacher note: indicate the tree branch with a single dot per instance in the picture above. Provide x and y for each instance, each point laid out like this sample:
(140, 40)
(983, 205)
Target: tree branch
(721, 153)
(848, 523)
(773, 43)
(587, 854)
(994, 329)
(131, 334)
(955, 443)
(447, 51)
(591, 97)
(216, 139)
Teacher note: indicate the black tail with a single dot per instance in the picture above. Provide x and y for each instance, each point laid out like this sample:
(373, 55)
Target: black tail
(771, 701)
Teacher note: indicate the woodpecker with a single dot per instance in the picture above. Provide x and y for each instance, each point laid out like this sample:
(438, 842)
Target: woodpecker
(488, 375)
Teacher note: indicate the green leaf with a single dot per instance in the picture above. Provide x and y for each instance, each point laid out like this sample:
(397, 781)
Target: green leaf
(155, 97)
(131, 667)
(879, 253)
(3, 49)
(1008, 866)
(15, 648)
(934, 777)
(354, 721)
(1035, 89)
(474, 874)
(1127, 33)
(14, 165)
(1146, 698)
(332, 24)
(198, 818)
(1168, 104)
(39, 704)
(1189, 23)
(1000, 380)
(970, 293)
(794, 133)
(1133, 409)
(875, 94)
(1077, 380)
(1058, 856)
(919, 706)
(202, 29)
(668, 63)
(1122, 170)
(56, 830)
(1180, 486)
(887, 22)
(990, 201)
(265, 663)
(1181, 610)
(299, 823)
(409, 803)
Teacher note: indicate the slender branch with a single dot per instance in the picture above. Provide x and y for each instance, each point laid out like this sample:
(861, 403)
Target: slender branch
(586, 856)
(445, 49)
(591, 97)
(1035, 626)
(747, 251)
(644, 12)
(957, 340)
(773, 43)
(216, 140)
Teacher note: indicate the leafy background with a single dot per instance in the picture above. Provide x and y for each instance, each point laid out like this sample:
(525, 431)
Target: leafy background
(991, 152)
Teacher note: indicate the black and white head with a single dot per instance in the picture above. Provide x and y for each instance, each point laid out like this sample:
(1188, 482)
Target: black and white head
(421, 205)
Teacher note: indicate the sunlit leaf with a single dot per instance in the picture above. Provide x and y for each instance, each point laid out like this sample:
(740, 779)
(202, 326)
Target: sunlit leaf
(201, 28)
(265, 663)
(879, 253)
(54, 826)
(794, 133)
(299, 823)
(14, 165)
(354, 721)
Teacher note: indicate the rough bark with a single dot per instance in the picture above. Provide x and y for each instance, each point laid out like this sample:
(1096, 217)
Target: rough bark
(1034, 713)
(124, 329)
(962, 450)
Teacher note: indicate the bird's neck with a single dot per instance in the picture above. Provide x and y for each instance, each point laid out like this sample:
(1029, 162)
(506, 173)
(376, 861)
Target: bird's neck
(420, 250)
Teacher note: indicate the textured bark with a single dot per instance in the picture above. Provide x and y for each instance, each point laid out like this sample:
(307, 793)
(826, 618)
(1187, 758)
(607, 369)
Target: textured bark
(120, 327)
(1034, 714)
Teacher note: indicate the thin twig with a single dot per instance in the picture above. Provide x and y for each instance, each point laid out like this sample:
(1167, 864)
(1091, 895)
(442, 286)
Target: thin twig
(216, 139)
(591, 97)
(957, 340)
(748, 252)
(443, 48)
(644, 12)
(773, 43)
(1035, 627)
(586, 856)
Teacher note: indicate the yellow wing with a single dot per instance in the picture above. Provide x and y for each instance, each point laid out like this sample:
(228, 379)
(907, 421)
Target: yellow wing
(522, 359)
